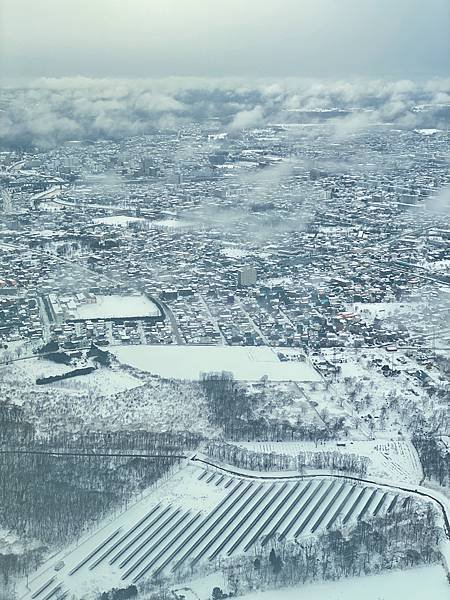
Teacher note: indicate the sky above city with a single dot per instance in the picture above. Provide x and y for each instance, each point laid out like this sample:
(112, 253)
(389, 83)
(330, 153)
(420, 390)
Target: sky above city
(206, 38)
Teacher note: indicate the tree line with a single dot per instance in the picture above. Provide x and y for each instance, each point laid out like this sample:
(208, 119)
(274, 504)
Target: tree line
(48, 501)
(235, 412)
(435, 458)
(263, 461)
(398, 540)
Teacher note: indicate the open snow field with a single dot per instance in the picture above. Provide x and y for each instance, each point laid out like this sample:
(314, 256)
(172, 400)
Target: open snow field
(199, 514)
(413, 584)
(382, 310)
(10, 543)
(102, 381)
(384, 405)
(113, 400)
(247, 363)
(389, 459)
(108, 398)
(119, 307)
(118, 220)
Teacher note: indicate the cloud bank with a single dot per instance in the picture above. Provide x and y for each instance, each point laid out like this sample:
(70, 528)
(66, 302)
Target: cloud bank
(46, 112)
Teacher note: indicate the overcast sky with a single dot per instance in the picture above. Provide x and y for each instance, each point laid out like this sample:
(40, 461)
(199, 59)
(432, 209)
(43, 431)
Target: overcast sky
(255, 38)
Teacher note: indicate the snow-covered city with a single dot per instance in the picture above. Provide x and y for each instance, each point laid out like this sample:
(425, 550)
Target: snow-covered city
(224, 318)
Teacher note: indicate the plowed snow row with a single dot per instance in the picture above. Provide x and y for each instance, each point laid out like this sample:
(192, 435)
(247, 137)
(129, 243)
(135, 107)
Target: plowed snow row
(169, 537)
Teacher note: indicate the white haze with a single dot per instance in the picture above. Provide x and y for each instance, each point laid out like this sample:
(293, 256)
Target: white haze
(153, 38)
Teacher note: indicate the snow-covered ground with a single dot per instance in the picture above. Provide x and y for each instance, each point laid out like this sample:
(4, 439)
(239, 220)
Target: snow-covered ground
(111, 398)
(201, 513)
(114, 306)
(413, 584)
(384, 405)
(10, 543)
(189, 362)
(101, 381)
(231, 252)
(118, 220)
(384, 309)
(427, 131)
(439, 266)
(396, 460)
(171, 224)
(87, 402)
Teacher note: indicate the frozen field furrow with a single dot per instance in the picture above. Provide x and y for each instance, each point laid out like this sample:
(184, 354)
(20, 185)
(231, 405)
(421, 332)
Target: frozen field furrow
(204, 514)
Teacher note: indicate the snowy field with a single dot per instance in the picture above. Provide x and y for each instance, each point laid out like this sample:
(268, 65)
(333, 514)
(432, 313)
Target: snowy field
(104, 382)
(247, 363)
(118, 220)
(384, 309)
(413, 584)
(386, 406)
(389, 459)
(200, 514)
(112, 400)
(110, 307)
(108, 398)
(10, 543)
(232, 252)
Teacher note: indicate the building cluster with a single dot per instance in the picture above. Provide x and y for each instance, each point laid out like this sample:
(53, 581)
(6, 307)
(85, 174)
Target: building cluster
(256, 238)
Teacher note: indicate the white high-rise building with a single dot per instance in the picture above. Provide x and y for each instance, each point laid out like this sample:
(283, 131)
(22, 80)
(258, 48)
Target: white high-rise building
(247, 276)
(7, 201)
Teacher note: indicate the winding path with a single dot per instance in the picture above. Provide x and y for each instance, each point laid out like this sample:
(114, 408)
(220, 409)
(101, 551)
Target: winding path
(442, 501)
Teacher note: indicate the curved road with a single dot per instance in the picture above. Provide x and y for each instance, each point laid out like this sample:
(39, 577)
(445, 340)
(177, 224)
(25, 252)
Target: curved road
(439, 499)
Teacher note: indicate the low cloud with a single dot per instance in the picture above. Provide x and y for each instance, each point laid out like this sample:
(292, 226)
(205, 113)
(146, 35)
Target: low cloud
(46, 112)
(439, 203)
(247, 119)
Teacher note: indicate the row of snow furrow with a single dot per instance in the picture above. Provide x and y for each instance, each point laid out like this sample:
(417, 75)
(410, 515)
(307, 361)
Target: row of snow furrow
(43, 588)
(138, 537)
(354, 506)
(165, 549)
(186, 536)
(245, 516)
(392, 504)
(94, 552)
(341, 507)
(264, 507)
(303, 491)
(367, 505)
(217, 535)
(153, 535)
(223, 506)
(197, 543)
(166, 521)
(302, 509)
(250, 512)
(52, 593)
(326, 511)
(166, 533)
(262, 528)
(140, 550)
(314, 510)
(256, 516)
(124, 537)
(380, 504)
